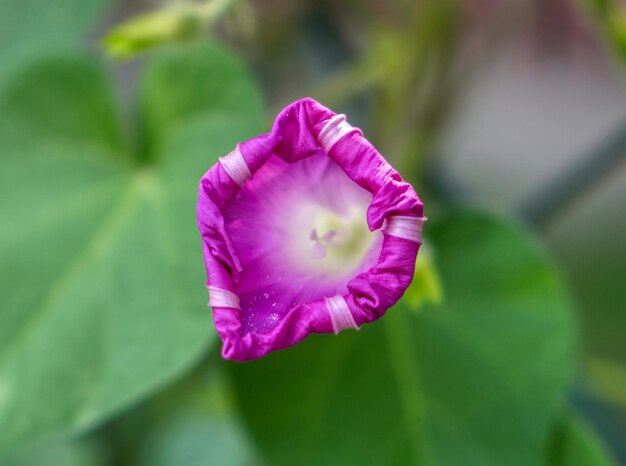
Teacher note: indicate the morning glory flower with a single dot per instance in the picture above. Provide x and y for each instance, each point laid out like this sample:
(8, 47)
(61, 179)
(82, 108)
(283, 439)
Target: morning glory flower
(306, 229)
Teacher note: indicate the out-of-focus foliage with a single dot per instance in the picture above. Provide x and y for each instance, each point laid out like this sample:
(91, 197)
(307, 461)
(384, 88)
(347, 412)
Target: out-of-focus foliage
(29, 28)
(102, 300)
(101, 279)
(39, 20)
(600, 291)
(609, 378)
(174, 23)
(430, 387)
(196, 442)
(62, 453)
(574, 444)
(426, 286)
(611, 15)
(190, 423)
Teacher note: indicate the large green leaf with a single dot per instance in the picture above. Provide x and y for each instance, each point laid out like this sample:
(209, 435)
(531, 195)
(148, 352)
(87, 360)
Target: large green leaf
(176, 90)
(30, 28)
(575, 444)
(472, 381)
(589, 242)
(197, 441)
(102, 293)
(38, 20)
(60, 453)
(189, 423)
(192, 425)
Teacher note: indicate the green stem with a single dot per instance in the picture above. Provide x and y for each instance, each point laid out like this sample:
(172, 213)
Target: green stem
(406, 369)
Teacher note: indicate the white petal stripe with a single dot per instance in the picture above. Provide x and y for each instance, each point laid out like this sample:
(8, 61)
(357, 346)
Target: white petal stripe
(334, 129)
(340, 314)
(236, 167)
(406, 227)
(219, 297)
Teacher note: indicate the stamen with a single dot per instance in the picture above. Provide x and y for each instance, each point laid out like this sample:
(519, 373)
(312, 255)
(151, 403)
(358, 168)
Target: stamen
(338, 242)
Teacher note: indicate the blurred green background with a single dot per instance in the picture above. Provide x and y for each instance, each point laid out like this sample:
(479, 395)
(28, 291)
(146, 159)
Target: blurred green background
(509, 117)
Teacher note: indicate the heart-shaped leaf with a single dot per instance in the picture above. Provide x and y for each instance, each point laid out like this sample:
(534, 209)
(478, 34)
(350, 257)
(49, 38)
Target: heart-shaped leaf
(30, 29)
(475, 380)
(102, 285)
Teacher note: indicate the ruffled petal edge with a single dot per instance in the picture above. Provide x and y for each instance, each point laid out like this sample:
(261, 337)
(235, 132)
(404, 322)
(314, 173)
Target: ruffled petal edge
(299, 131)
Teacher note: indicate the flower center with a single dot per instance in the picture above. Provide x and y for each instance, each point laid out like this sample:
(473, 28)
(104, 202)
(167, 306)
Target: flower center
(300, 231)
(331, 243)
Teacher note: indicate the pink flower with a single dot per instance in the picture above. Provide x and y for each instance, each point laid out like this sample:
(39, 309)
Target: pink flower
(306, 229)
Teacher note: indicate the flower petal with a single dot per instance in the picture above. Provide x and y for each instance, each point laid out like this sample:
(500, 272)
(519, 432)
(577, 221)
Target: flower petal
(291, 226)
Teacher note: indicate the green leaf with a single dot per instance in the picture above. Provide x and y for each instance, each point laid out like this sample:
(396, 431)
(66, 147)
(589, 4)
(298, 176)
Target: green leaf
(588, 235)
(41, 19)
(102, 293)
(29, 28)
(61, 101)
(60, 453)
(190, 423)
(611, 18)
(170, 23)
(197, 441)
(176, 90)
(426, 286)
(474, 380)
(608, 378)
(575, 444)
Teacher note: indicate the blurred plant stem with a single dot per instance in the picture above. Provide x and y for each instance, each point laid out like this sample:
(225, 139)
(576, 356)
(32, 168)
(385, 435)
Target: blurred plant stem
(180, 21)
(407, 67)
(411, 96)
(546, 205)
(340, 86)
(611, 18)
(407, 370)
